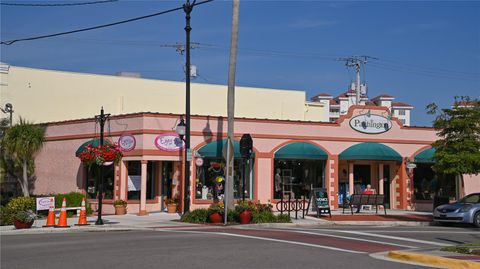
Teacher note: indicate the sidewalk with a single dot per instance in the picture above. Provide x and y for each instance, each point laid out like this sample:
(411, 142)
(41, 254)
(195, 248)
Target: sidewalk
(126, 222)
(165, 220)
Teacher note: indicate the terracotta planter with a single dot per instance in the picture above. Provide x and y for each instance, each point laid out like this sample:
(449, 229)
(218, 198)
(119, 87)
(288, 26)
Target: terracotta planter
(22, 225)
(245, 217)
(120, 210)
(172, 208)
(215, 218)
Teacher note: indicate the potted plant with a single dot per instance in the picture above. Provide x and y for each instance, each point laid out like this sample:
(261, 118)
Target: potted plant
(24, 219)
(120, 207)
(101, 155)
(215, 212)
(245, 208)
(171, 204)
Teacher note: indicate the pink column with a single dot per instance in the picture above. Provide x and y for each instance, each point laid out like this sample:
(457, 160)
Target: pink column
(143, 190)
(380, 178)
(350, 177)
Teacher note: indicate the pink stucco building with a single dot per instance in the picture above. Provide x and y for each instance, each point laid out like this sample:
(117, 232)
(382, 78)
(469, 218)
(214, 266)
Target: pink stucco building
(365, 146)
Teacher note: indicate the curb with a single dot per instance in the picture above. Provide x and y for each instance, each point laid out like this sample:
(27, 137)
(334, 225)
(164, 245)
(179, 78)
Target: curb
(433, 260)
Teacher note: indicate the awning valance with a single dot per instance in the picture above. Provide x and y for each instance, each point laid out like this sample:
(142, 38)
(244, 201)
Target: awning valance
(370, 151)
(93, 142)
(301, 151)
(215, 149)
(426, 156)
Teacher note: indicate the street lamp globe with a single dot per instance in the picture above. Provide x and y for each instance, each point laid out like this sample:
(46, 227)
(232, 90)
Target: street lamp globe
(180, 129)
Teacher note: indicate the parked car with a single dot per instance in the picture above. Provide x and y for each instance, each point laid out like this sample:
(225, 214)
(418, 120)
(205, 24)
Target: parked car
(465, 210)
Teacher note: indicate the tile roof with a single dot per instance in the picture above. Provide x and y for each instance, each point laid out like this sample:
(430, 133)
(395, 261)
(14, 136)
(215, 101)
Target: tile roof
(382, 96)
(400, 104)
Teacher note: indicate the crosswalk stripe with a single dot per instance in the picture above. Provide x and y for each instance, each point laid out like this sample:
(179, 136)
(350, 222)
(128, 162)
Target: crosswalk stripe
(390, 237)
(356, 239)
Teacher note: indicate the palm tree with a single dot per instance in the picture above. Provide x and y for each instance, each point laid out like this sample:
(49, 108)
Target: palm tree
(20, 144)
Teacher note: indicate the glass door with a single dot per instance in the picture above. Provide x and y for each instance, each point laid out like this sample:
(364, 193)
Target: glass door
(167, 175)
(386, 184)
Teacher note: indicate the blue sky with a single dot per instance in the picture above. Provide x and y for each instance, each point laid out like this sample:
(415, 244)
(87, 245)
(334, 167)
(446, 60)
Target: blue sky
(427, 51)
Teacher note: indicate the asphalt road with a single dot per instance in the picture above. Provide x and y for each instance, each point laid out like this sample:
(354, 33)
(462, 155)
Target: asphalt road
(217, 247)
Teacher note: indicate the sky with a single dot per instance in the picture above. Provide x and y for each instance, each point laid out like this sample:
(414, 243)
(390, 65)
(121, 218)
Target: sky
(422, 51)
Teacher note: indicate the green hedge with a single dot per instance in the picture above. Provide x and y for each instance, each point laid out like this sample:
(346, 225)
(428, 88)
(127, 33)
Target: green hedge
(74, 199)
(201, 216)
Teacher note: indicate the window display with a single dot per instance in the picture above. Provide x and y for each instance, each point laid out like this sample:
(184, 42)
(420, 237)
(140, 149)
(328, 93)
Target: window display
(210, 180)
(295, 178)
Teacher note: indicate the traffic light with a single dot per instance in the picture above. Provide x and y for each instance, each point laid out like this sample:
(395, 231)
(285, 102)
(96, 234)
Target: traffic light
(246, 146)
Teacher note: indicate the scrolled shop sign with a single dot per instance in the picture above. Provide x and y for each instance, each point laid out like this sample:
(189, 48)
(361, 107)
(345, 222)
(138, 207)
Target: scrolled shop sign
(370, 124)
(168, 142)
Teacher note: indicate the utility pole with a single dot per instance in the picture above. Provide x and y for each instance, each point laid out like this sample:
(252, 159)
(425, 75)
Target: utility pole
(356, 61)
(231, 109)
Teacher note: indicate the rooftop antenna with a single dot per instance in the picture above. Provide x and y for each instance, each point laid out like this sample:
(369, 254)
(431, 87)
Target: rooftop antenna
(356, 61)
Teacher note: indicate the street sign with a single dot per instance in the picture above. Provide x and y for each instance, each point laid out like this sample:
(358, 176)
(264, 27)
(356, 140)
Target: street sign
(189, 155)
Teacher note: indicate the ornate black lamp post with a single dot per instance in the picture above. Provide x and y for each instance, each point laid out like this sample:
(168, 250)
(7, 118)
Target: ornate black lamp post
(101, 119)
(187, 8)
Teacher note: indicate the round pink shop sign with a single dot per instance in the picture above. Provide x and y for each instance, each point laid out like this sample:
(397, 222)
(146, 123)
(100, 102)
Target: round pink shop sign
(127, 142)
(168, 142)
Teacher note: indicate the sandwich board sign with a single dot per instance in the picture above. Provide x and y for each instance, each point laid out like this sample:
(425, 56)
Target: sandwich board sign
(320, 201)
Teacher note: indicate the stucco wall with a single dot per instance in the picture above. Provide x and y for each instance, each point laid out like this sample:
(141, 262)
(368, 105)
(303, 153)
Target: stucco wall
(45, 96)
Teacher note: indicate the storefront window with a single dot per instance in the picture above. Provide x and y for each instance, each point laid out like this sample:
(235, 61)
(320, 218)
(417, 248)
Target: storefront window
(428, 184)
(135, 180)
(210, 183)
(295, 178)
(92, 174)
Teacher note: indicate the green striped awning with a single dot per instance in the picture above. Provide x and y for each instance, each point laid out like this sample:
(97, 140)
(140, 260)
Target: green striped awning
(370, 151)
(426, 156)
(93, 142)
(301, 151)
(214, 149)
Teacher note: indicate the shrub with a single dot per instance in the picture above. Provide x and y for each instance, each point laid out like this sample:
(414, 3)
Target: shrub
(196, 216)
(74, 199)
(25, 216)
(16, 205)
(119, 203)
(285, 218)
(216, 208)
(233, 216)
(263, 217)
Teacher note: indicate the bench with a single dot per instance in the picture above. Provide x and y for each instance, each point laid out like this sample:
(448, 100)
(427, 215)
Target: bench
(365, 199)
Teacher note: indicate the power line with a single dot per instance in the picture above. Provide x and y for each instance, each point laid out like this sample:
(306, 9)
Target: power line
(58, 5)
(10, 42)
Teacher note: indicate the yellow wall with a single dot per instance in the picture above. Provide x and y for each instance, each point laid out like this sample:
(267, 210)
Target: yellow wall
(44, 95)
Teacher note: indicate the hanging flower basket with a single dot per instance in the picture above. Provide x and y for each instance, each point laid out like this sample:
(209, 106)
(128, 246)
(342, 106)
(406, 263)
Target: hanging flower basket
(101, 155)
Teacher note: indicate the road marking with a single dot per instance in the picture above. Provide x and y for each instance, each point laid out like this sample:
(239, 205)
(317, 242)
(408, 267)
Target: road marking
(356, 239)
(391, 237)
(270, 239)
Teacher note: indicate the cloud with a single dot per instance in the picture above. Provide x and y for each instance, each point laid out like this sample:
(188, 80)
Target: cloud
(307, 23)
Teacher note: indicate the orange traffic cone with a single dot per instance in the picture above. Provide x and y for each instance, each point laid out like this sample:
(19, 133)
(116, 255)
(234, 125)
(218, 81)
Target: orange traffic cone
(82, 219)
(51, 217)
(62, 220)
